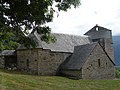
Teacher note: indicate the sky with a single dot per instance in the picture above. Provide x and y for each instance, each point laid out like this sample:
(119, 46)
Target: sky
(105, 13)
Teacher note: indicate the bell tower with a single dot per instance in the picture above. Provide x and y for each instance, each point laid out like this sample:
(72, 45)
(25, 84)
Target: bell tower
(104, 37)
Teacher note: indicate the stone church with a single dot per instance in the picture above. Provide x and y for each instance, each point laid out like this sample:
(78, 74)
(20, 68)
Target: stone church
(85, 57)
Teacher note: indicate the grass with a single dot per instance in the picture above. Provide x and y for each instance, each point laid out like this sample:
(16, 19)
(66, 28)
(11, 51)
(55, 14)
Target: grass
(11, 80)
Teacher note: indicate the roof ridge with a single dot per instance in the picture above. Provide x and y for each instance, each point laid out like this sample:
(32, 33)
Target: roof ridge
(70, 34)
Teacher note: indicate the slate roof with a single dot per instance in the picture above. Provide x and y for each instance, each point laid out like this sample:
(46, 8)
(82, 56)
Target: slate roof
(99, 28)
(64, 43)
(8, 52)
(79, 56)
(99, 32)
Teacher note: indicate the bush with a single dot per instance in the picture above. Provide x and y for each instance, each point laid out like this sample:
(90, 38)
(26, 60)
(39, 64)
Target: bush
(117, 72)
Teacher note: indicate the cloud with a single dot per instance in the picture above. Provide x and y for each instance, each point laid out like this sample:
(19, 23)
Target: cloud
(77, 21)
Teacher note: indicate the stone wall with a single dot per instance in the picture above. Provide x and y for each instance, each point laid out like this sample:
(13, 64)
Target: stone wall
(98, 66)
(39, 61)
(27, 60)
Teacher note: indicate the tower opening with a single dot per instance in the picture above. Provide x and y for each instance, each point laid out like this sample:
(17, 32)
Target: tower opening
(97, 29)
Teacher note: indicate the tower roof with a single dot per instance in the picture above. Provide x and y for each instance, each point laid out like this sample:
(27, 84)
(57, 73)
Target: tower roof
(97, 28)
(99, 32)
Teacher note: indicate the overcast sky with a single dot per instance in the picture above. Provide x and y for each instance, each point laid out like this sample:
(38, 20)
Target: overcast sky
(105, 13)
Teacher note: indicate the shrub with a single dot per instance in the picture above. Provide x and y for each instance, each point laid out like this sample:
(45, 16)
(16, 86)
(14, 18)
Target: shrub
(117, 72)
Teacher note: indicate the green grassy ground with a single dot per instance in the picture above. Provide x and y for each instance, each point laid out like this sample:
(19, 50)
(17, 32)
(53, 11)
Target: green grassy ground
(18, 81)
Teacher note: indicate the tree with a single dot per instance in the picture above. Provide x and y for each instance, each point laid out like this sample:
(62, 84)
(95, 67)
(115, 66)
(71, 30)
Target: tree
(8, 41)
(22, 16)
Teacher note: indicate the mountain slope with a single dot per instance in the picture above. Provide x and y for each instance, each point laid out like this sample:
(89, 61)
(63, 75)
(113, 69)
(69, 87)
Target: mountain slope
(116, 45)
